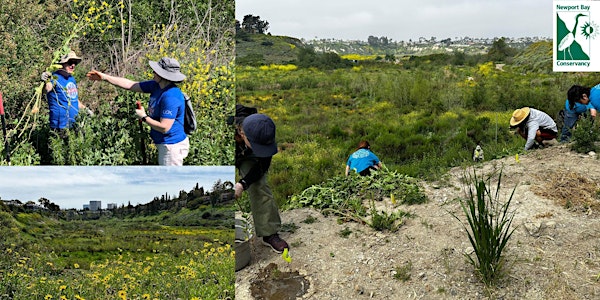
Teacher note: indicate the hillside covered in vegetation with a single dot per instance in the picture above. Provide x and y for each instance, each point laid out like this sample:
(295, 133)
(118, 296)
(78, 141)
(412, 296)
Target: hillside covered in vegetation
(171, 247)
(421, 114)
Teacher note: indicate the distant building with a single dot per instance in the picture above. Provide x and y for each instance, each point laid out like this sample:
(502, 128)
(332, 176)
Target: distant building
(86, 206)
(95, 205)
(111, 206)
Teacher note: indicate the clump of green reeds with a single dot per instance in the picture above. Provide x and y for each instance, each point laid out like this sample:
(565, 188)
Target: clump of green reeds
(488, 225)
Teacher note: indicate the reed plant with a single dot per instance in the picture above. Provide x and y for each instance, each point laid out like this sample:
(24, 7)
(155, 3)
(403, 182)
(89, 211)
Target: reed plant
(488, 225)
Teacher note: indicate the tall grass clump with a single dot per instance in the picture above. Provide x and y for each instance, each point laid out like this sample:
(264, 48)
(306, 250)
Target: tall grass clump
(488, 226)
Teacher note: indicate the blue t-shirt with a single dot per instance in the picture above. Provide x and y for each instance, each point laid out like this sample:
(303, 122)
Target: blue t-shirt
(578, 108)
(167, 103)
(362, 159)
(595, 97)
(63, 100)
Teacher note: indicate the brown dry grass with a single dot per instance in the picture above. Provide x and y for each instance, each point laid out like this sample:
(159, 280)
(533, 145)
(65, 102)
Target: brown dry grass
(569, 189)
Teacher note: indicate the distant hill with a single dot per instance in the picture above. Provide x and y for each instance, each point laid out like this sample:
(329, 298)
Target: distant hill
(533, 54)
(260, 49)
(536, 58)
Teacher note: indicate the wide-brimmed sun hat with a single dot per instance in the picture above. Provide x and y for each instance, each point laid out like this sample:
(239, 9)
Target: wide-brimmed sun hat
(518, 116)
(168, 68)
(259, 129)
(69, 56)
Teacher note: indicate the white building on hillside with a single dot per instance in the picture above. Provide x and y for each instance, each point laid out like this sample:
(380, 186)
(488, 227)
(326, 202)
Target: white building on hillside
(95, 205)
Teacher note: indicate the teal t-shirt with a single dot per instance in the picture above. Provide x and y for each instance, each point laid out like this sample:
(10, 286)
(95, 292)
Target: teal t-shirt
(362, 159)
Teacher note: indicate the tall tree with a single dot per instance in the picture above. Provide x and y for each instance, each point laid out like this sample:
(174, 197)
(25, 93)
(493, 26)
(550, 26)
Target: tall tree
(500, 50)
(253, 24)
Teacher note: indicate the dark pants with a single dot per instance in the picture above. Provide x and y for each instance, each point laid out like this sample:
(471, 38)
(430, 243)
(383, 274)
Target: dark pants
(265, 211)
(367, 171)
(570, 118)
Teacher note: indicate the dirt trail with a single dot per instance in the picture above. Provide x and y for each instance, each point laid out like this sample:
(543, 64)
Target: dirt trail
(553, 254)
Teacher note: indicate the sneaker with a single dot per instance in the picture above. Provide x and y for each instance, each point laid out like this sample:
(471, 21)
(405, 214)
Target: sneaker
(275, 242)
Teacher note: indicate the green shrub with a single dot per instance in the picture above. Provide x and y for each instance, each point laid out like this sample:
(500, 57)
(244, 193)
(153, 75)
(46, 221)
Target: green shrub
(585, 136)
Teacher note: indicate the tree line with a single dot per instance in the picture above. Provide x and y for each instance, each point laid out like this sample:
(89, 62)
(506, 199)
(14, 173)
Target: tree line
(221, 194)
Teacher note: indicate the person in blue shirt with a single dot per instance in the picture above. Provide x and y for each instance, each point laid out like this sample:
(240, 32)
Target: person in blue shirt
(579, 101)
(62, 94)
(166, 108)
(362, 161)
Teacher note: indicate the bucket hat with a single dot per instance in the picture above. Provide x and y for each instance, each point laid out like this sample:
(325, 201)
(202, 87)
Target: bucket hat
(167, 68)
(518, 116)
(69, 56)
(260, 132)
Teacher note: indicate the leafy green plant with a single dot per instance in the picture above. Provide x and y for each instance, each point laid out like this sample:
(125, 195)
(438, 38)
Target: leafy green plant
(309, 220)
(585, 136)
(383, 220)
(488, 226)
(402, 273)
(343, 192)
(345, 233)
(344, 195)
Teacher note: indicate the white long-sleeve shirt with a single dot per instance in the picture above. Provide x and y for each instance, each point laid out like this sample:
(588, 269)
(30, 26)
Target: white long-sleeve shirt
(537, 120)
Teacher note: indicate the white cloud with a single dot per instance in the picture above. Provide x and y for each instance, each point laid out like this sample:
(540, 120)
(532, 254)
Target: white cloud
(401, 20)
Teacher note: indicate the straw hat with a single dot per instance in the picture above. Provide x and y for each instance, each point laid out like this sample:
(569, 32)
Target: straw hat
(519, 115)
(70, 56)
(168, 68)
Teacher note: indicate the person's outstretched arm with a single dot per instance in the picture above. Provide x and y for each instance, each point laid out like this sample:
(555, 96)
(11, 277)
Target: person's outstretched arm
(121, 82)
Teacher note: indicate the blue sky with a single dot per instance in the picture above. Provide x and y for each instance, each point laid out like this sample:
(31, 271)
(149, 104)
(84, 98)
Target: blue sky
(401, 20)
(71, 187)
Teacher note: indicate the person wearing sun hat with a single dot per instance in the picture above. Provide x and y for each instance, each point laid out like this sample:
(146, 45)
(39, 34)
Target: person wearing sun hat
(62, 95)
(535, 126)
(166, 108)
(254, 150)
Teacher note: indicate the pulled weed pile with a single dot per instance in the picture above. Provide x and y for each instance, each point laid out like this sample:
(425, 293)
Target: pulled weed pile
(570, 190)
(344, 196)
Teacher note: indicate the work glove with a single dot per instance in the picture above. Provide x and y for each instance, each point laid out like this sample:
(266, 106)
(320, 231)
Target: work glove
(89, 112)
(140, 112)
(46, 76)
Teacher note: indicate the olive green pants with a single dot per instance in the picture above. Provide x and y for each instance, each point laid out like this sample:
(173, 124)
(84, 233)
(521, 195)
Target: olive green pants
(265, 212)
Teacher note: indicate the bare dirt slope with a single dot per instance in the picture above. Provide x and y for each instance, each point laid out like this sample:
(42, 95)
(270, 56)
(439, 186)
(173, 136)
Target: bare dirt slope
(553, 254)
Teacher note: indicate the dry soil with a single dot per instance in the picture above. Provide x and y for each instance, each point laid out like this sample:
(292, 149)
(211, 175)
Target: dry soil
(554, 252)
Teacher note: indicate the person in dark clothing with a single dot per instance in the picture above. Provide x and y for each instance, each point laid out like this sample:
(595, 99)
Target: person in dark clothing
(255, 147)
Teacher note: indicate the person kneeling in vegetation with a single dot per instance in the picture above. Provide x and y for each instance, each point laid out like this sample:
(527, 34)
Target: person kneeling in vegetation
(255, 147)
(362, 161)
(534, 126)
(166, 108)
(62, 95)
(579, 101)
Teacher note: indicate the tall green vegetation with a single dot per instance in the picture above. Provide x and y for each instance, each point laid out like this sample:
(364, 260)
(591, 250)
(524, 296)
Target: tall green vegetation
(117, 37)
(157, 250)
(420, 116)
(488, 225)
